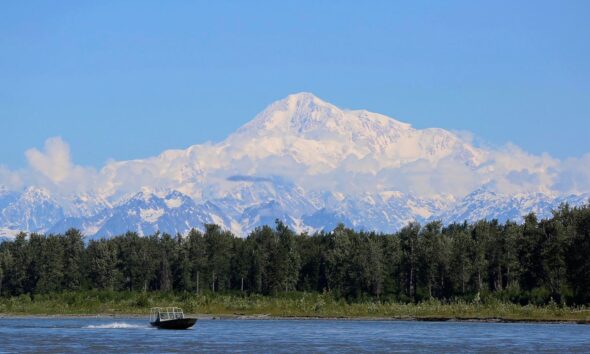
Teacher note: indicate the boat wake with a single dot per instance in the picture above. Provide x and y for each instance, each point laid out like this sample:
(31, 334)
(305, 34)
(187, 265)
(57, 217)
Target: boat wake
(115, 325)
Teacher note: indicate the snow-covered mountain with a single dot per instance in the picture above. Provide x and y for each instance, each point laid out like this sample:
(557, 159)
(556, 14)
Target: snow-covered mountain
(301, 160)
(485, 204)
(33, 209)
(147, 213)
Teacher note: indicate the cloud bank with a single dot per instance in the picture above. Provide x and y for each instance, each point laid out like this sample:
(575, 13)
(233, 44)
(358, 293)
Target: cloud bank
(508, 170)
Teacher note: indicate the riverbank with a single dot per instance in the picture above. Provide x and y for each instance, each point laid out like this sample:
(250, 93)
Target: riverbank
(287, 306)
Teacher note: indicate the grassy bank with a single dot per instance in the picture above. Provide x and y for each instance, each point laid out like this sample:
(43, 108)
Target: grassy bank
(287, 305)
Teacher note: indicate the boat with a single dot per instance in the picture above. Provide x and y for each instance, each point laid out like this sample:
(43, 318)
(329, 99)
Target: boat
(170, 318)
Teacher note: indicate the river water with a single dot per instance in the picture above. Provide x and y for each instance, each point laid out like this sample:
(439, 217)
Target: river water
(53, 335)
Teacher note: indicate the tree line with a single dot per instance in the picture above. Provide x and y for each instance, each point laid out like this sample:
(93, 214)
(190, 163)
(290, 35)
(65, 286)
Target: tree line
(538, 261)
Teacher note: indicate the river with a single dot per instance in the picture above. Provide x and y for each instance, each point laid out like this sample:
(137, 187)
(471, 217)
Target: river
(100, 335)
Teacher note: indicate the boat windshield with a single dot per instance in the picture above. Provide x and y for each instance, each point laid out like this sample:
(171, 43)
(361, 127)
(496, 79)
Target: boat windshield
(165, 313)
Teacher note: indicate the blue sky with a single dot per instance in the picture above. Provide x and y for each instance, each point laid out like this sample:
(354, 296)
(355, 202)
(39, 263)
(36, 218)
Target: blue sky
(130, 79)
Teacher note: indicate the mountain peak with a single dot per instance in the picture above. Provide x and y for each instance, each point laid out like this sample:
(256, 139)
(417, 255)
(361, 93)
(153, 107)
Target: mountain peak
(304, 99)
(303, 95)
(319, 135)
(305, 115)
(295, 108)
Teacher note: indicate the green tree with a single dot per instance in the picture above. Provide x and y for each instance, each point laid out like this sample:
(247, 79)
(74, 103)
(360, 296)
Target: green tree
(6, 266)
(461, 265)
(530, 253)
(218, 245)
(554, 257)
(197, 258)
(578, 262)
(73, 248)
(432, 258)
(481, 237)
(409, 260)
(101, 260)
(136, 261)
(286, 262)
(47, 265)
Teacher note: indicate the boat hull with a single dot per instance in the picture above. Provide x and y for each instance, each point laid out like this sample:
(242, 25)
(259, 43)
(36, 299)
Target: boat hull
(179, 323)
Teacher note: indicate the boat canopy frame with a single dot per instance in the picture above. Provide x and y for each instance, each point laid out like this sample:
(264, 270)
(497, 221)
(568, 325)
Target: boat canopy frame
(165, 314)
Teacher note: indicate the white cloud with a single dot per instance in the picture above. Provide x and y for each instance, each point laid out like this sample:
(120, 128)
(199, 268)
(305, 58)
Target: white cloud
(51, 168)
(54, 162)
(573, 175)
(10, 179)
(514, 170)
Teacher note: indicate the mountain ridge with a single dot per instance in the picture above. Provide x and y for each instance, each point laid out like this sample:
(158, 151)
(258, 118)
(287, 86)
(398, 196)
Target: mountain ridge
(302, 160)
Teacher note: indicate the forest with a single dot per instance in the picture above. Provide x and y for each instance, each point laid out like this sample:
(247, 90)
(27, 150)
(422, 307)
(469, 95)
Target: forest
(537, 262)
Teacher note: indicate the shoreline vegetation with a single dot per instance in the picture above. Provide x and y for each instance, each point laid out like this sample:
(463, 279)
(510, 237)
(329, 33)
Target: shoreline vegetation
(286, 306)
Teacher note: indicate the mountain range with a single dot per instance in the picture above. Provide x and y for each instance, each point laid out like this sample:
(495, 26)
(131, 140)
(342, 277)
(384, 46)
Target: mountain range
(306, 162)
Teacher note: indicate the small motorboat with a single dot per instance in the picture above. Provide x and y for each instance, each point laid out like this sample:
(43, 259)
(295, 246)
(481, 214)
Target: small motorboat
(170, 318)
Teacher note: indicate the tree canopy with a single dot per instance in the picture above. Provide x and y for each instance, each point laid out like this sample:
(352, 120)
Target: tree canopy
(539, 261)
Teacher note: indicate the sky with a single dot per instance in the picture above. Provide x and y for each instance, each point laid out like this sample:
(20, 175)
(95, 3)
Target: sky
(128, 79)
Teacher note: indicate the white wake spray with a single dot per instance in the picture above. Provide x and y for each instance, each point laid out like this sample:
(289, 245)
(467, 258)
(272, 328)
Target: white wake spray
(115, 325)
